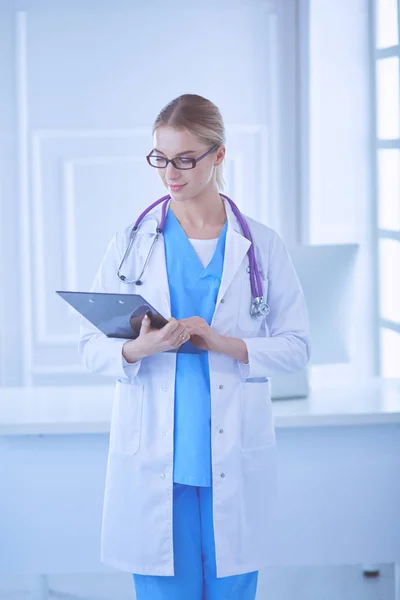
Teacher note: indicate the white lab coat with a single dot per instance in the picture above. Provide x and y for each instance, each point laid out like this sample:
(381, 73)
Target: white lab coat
(137, 517)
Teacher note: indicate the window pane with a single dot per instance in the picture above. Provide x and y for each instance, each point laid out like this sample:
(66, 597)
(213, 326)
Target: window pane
(387, 33)
(388, 97)
(389, 276)
(389, 189)
(390, 353)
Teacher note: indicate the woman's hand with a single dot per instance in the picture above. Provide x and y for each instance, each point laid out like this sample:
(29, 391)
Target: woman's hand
(151, 341)
(205, 337)
(201, 334)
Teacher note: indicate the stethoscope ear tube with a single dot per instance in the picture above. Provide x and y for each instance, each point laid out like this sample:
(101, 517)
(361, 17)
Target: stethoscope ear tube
(130, 244)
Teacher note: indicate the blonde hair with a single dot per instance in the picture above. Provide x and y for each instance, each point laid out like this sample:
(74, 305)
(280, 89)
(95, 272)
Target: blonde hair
(199, 116)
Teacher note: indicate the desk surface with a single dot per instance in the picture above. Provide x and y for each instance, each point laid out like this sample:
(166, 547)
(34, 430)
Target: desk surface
(87, 409)
(339, 485)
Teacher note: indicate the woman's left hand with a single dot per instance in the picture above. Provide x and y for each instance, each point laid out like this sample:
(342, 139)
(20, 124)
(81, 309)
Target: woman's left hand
(201, 334)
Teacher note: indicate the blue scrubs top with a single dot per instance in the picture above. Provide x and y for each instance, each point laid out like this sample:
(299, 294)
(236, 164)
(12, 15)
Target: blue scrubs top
(193, 292)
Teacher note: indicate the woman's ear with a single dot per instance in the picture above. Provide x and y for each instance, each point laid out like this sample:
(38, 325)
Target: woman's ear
(219, 156)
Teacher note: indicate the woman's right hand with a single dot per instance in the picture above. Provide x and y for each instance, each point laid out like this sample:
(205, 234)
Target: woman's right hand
(151, 341)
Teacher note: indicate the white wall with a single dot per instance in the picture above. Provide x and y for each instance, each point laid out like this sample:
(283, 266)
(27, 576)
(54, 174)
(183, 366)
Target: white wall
(82, 83)
(256, 83)
(340, 197)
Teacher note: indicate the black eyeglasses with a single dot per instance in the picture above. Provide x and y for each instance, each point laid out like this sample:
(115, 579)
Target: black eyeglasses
(180, 162)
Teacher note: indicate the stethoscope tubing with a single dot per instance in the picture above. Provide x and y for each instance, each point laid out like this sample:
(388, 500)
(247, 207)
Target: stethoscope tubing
(255, 278)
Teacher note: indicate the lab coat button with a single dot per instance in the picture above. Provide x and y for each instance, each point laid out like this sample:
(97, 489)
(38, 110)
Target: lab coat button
(162, 475)
(222, 474)
(164, 433)
(166, 388)
(221, 431)
(220, 387)
(222, 300)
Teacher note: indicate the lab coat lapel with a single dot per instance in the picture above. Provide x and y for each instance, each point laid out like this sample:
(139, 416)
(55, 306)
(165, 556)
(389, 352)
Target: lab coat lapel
(236, 247)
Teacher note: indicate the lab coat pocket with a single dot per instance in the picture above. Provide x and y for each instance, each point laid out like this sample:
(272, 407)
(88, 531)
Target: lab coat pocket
(126, 421)
(258, 429)
(248, 325)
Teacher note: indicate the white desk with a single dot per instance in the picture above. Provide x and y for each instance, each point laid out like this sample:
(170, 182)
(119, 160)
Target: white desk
(339, 454)
(87, 409)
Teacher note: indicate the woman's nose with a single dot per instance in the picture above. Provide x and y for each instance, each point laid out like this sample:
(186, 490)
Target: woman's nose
(170, 172)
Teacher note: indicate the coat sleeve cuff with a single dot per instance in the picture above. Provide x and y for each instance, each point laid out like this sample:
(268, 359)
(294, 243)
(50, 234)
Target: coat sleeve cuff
(273, 356)
(103, 355)
(244, 368)
(130, 369)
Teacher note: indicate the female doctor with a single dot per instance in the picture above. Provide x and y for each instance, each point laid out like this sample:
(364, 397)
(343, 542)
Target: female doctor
(190, 497)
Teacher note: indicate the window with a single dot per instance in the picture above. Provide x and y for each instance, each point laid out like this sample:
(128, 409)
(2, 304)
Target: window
(389, 189)
(387, 31)
(387, 71)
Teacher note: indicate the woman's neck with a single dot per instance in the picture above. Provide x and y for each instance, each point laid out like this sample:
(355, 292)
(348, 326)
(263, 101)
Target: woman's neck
(202, 213)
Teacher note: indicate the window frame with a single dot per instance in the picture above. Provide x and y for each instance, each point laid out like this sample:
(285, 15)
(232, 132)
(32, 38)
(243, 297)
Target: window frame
(378, 144)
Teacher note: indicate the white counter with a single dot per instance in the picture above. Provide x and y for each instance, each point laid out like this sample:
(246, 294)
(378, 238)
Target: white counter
(87, 409)
(339, 476)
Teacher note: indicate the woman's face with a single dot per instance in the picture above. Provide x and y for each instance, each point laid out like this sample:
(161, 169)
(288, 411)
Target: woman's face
(185, 184)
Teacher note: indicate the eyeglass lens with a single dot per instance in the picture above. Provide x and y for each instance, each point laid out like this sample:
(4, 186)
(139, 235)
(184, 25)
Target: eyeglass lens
(181, 162)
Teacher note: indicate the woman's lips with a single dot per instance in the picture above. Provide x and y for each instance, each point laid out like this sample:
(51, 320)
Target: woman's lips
(175, 188)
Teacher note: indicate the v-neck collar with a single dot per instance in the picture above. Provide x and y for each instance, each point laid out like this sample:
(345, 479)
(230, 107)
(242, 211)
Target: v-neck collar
(203, 271)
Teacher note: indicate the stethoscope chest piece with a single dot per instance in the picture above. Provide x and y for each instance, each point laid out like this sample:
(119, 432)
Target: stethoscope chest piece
(259, 308)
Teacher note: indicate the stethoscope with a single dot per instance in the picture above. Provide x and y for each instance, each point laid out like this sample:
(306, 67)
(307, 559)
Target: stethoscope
(258, 309)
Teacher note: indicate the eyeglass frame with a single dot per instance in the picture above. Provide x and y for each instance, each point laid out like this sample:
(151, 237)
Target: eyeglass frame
(171, 160)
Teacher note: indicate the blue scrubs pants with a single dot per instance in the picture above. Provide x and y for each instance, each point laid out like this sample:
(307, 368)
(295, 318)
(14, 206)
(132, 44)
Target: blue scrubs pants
(194, 556)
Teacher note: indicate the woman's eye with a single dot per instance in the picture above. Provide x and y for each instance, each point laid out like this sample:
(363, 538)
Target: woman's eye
(183, 161)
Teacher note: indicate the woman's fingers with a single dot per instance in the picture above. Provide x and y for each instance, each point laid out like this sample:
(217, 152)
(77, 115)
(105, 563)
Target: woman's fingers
(183, 336)
(176, 333)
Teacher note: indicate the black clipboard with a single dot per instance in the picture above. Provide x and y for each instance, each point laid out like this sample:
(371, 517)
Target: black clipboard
(119, 315)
